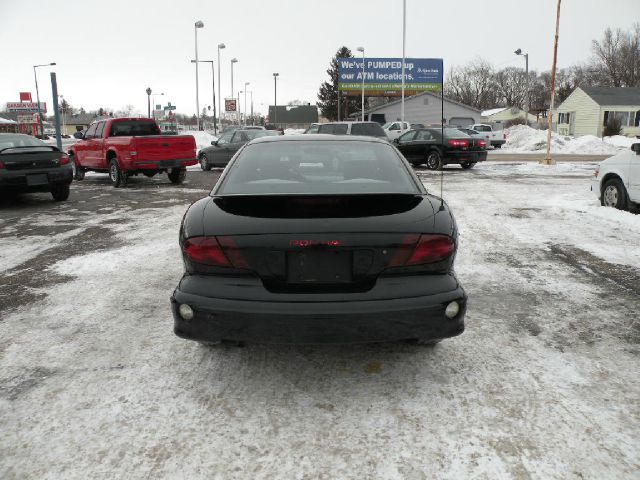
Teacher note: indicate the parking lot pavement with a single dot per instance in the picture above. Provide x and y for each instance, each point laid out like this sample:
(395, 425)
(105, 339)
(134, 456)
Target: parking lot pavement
(544, 383)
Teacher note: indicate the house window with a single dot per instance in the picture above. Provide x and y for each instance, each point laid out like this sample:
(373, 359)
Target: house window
(564, 118)
(625, 118)
(637, 121)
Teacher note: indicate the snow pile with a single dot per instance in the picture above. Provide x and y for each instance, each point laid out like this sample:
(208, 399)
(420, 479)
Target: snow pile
(294, 131)
(621, 141)
(521, 138)
(203, 139)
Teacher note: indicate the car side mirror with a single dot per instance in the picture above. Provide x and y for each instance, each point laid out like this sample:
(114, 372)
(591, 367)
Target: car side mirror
(214, 142)
(636, 148)
(78, 135)
(396, 141)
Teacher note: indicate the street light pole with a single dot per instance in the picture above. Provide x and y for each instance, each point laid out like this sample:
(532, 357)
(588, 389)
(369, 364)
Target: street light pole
(234, 60)
(404, 42)
(361, 49)
(148, 102)
(245, 102)
(526, 63)
(197, 25)
(220, 47)
(275, 97)
(38, 94)
(252, 121)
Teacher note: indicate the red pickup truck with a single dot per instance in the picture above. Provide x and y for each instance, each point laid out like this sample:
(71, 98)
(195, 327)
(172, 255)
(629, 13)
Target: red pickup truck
(130, 146)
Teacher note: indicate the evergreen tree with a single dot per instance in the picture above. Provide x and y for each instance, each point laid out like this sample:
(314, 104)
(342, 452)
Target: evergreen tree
(328, 93)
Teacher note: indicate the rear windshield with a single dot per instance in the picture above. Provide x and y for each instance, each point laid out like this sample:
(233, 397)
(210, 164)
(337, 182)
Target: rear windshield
(482, 128)
(314, 167)
(334, 128)
(449, 132)
(131, 128)
(367, 129)
(20, 141)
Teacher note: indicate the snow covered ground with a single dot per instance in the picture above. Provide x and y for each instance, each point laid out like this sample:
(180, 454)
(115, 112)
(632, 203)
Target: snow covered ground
(543, 384)
(524, 139)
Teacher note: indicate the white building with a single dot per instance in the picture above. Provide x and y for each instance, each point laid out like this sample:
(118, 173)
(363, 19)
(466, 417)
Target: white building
(424, 108)
(500, 116)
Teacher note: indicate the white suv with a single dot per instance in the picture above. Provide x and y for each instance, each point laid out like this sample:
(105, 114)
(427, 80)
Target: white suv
(617, 179)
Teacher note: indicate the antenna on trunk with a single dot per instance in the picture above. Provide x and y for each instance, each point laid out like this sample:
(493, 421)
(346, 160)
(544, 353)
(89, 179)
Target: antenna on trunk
(441, 134)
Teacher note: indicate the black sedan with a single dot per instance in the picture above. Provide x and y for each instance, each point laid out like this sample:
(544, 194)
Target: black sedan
(318, 239)
(221, 150)
(30, 165)
(426, 146)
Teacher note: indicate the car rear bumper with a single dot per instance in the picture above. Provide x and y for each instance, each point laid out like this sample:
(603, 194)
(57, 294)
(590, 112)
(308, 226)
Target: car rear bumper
(498, 143)
(459, 157)
(311, 322)
(163, 164)
(35, 180)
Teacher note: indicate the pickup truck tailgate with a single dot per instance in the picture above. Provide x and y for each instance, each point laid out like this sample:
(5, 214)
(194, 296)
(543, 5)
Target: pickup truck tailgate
(166, 147)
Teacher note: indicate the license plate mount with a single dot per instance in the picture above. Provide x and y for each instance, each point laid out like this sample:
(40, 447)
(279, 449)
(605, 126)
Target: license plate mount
(37, 179)
(317, 267)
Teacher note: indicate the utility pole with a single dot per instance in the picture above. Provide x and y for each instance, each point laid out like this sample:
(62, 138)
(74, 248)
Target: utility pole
(404, 42)
(547, 159)
(275, 97)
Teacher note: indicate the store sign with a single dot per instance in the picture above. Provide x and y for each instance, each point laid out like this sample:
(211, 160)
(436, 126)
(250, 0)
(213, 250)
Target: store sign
(28, 118)
(230, 105)
(25, 97)
(383, 76)
(26, 107)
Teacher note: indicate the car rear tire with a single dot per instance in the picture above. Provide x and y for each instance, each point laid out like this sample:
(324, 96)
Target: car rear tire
(177, 175)
(424, 342)
(60, 192)
(204, 163)
(614, 194)
(433, 160)
(116, 175)
(467, 165)
(78, 172)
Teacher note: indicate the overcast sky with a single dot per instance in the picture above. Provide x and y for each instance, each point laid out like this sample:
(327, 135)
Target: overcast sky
(109, 52)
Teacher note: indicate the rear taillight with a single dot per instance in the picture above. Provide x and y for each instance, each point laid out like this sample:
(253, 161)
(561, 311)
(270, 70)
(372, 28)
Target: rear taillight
(216, 251)
(431, 248)
(595, 174)
(1, 164)
(205, 250)
(482, 143)
(64, 160)
(421, 249)
(458, 143)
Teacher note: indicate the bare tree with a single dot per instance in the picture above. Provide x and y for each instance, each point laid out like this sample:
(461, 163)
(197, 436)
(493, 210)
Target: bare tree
(511, 84)
(472, 84)
(616, 58)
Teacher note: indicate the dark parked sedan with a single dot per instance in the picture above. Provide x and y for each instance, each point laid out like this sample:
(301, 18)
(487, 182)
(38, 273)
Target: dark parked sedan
(426, 146)
(221, 150)
(318, 239)
(30, 165)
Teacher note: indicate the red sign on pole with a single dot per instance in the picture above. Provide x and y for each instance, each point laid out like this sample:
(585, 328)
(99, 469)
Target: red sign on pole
(230, 105)
(25, 97)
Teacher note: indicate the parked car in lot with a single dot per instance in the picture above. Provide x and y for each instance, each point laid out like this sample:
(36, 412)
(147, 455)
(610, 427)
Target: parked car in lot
(496, 138)
(224, 148)
(394, 129)
(474, 133)
(314, 239)
(426, 146)
(367, 129)
(130, 146)
(616, 181)
(30, 165)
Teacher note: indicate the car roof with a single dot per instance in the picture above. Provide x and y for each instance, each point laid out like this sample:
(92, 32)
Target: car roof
(320, 137)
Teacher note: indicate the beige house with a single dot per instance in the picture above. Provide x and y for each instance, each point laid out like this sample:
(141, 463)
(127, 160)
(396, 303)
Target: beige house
(588, 109)
(500, 116)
